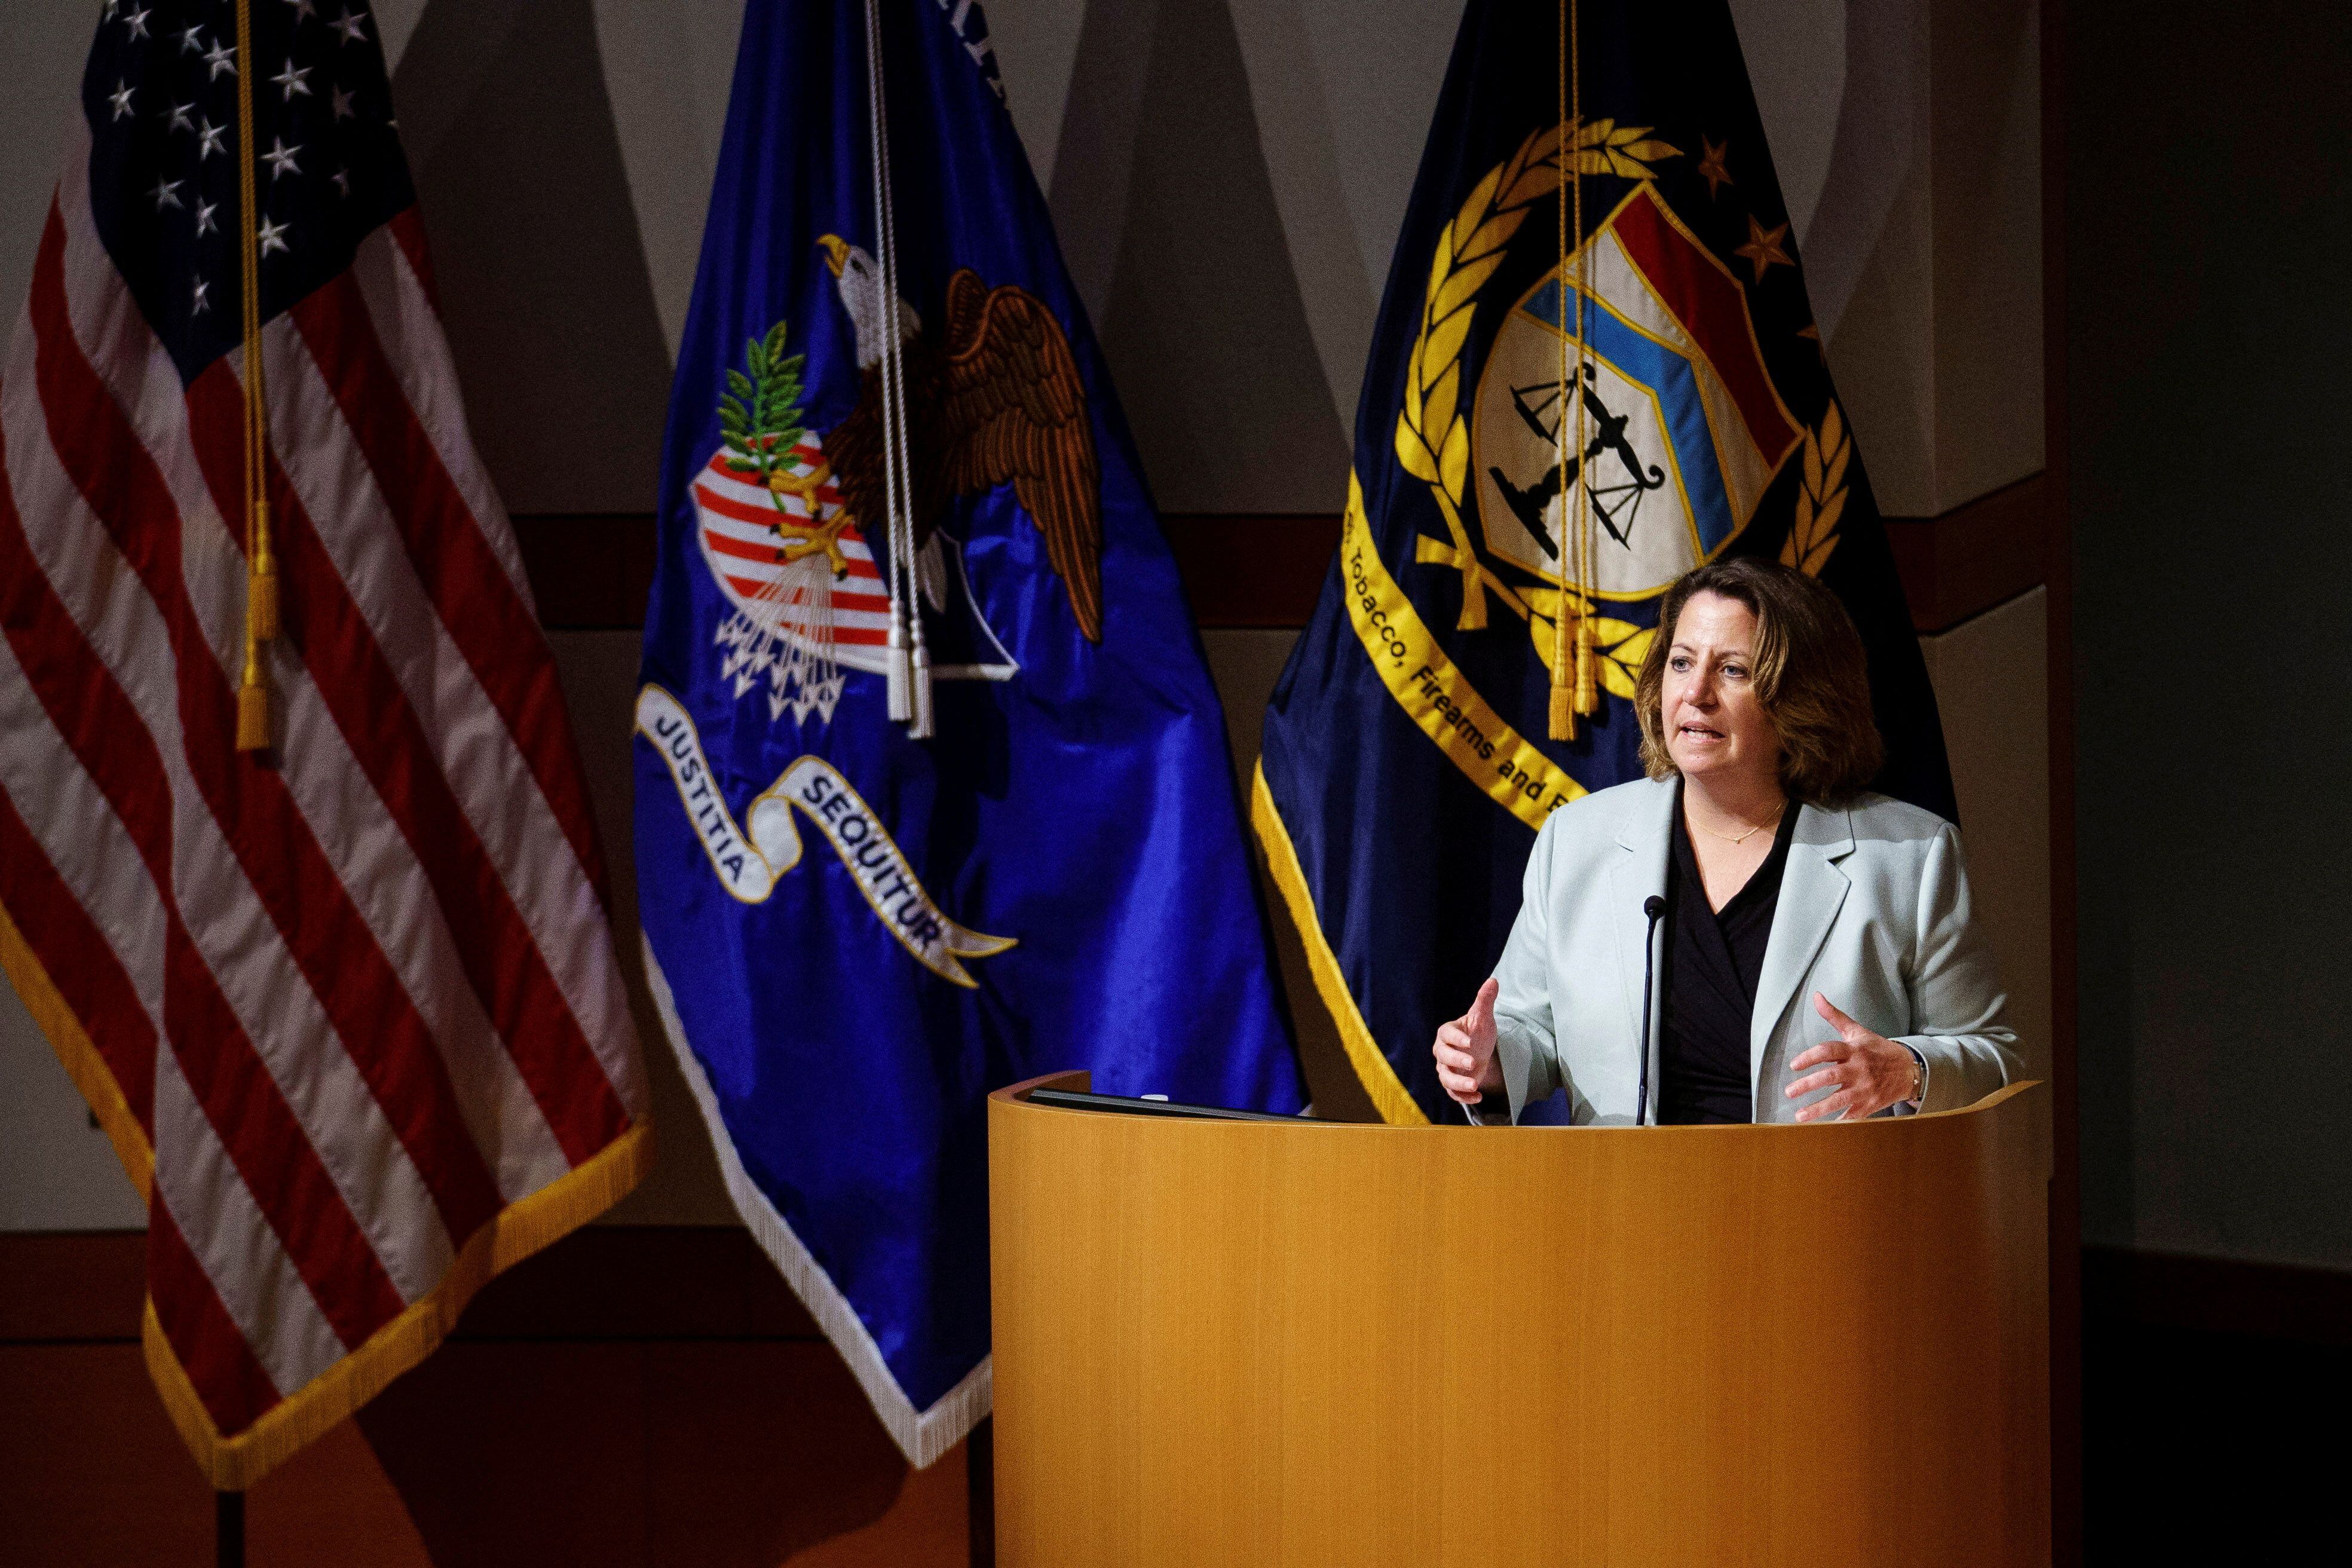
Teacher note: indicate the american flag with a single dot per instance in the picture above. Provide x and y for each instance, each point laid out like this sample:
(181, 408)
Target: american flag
(348, 1009)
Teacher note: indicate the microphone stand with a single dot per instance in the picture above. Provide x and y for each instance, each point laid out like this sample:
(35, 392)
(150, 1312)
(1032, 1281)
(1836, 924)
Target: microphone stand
(1653, 906)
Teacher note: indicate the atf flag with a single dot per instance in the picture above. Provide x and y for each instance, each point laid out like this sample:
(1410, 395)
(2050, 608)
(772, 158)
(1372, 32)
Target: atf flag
(932, 792)
(1595, 369)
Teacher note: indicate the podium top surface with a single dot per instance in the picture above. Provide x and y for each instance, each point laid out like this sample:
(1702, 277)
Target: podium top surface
(2021, 1101)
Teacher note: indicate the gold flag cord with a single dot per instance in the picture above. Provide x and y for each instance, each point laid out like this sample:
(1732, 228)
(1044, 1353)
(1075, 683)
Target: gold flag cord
(1561, 721)
(1575, 687)
(260, 564)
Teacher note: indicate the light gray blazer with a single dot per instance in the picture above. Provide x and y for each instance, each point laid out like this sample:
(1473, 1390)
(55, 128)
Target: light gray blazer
(1874, 913)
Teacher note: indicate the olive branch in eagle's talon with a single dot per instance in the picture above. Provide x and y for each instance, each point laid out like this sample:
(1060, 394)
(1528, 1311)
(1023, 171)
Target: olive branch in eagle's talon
(759, 426)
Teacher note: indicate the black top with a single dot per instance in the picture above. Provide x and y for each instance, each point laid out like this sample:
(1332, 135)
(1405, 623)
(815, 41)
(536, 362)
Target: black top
(1713, 958)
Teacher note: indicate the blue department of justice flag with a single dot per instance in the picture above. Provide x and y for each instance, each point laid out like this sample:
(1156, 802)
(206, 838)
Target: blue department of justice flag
(932, 790)
(1595, 367)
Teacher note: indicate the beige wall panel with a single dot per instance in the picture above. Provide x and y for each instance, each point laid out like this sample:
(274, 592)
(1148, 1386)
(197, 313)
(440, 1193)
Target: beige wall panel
(1991, 687)
(599, 671)
(1227, 180)
(1985, 128)
(58, 1172)
(1883, 354)
(44, 44)
(1245, 664)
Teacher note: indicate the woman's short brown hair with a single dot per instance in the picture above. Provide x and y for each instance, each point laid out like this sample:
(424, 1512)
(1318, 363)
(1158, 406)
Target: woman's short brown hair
(1811, 676)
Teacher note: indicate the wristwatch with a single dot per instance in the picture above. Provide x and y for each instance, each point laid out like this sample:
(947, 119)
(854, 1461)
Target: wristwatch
(1919, 1094)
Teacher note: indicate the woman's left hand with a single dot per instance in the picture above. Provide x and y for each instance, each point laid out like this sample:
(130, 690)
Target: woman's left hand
(1870, 1071)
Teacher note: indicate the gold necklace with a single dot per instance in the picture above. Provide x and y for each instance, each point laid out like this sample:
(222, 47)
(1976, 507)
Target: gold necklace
(1727, 837)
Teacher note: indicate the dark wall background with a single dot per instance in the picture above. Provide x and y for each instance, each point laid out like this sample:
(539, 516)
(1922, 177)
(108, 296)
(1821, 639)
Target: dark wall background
(2209, 187)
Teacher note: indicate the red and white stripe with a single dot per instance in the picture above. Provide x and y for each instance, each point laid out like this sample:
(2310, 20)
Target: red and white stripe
(361, 998)
(739, 545)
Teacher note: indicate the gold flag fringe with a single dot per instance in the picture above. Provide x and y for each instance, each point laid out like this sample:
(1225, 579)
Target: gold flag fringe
(233, 1463)
(82, 1063)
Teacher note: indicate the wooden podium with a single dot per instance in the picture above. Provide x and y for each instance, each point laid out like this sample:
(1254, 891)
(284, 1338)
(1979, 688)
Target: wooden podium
(1277, 1343)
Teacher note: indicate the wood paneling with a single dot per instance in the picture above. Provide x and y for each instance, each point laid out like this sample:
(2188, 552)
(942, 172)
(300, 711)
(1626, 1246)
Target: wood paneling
(1242, 571)
(594, 571)
(630, 1396)
(611, 1282)
(591, 572)
(661, 1386)
(91, 1472)
(641, 1282)
(1973, 557)
(57, 1286)
(601, 1454)
(1290, 1343)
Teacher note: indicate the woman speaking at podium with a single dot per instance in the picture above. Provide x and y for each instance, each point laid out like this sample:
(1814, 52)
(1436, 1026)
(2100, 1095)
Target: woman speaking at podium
(1812, 944)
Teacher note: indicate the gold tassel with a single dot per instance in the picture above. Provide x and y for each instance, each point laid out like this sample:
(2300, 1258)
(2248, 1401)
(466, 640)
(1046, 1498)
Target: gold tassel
(1567, 649)
(1588, 669)
(1563, 712)
(253, 705)
(1567, 643)
(260, 625)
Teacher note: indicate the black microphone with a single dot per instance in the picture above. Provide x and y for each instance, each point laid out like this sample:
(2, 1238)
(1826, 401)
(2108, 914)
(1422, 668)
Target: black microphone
(1653, 906)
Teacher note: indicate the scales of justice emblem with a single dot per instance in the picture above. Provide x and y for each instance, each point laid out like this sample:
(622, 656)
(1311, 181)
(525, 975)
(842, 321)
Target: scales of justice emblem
(1615, 425)
(788, 518)
(1681, 428)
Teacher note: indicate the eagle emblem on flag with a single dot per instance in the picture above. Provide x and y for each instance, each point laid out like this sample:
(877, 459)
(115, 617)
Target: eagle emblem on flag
(894, 451)
(992, 396)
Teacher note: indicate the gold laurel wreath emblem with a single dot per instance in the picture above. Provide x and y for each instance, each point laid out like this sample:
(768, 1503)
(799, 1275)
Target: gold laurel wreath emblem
(1433, 432)
(1813, 532)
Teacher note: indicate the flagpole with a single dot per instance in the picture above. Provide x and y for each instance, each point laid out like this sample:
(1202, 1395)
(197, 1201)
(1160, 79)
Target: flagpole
(228, 1529)
(980, 1492)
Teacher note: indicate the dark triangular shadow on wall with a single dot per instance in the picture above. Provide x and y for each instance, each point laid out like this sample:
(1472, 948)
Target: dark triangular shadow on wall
(541, 269)
(1204, 326)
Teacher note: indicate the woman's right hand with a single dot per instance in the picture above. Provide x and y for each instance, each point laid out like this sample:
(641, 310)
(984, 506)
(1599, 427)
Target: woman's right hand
(1465, 1050)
